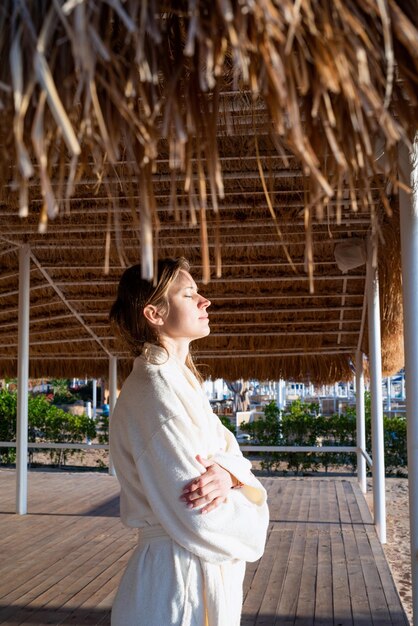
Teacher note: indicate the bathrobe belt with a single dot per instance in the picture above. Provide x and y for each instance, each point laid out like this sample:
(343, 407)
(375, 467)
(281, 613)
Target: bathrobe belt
(148, 533)
(216, 608)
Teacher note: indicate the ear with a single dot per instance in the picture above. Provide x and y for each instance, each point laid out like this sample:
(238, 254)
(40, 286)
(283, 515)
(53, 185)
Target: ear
(153, 316)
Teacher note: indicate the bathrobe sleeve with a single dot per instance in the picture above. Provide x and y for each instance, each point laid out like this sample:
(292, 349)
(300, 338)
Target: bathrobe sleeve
(236, 464)
(235, 530)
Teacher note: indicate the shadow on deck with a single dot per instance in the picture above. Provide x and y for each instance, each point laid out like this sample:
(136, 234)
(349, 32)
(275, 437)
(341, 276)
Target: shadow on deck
(323, 565)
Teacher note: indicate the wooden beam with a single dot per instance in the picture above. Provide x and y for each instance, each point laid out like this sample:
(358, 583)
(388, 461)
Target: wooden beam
(69, 306)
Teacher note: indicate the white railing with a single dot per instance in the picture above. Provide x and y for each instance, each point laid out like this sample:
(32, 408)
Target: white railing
(244, 448)
(335, 449)
(51, 446)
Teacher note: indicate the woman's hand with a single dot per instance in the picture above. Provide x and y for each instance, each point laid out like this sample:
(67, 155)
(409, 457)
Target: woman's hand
(210, 489)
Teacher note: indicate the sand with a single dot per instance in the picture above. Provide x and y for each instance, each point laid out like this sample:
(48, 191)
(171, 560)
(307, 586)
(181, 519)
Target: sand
(397, 548)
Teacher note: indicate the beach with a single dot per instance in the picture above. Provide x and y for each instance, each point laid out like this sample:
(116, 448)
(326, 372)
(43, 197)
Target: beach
(397, 548)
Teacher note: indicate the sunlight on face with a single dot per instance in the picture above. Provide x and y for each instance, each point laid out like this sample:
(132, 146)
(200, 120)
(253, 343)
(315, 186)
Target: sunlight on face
(187, 316)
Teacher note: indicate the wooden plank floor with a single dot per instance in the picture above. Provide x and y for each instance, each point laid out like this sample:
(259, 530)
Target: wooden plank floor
(323, 565)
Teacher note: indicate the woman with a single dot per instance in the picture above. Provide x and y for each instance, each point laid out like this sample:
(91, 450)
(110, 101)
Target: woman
(184, 482)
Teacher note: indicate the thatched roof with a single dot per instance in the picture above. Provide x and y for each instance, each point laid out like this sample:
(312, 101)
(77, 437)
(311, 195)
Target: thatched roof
(250, 136)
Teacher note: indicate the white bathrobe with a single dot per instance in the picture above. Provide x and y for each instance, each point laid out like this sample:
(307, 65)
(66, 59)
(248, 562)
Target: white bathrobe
(188, 568)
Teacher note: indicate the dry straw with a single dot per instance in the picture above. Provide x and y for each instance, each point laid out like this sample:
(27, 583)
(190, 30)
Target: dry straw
(101, 90)
(390, 292)
(85, 84)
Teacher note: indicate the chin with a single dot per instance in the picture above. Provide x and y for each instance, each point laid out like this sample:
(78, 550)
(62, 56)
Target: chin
(203, 333)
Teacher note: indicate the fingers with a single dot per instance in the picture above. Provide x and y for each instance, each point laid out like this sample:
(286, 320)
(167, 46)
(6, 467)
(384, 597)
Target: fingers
(194, 501)
(213, 505)
(205, 462)
(215, 477)
(195, 484)
(200, 488)
(198, 484)
(215, 483)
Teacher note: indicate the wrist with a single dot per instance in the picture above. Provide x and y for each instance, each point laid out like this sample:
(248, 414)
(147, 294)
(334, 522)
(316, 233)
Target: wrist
(236, 484)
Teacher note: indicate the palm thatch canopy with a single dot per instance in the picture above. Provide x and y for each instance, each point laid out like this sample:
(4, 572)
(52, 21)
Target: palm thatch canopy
(250, 137)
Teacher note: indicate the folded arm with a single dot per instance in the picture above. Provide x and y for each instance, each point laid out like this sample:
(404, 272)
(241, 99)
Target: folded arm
(235, 530)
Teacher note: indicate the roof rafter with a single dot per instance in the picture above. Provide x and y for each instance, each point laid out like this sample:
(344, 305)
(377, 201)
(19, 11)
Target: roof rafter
(69, 305)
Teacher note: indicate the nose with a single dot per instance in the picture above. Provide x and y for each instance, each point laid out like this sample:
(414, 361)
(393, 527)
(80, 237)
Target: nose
(204, 302)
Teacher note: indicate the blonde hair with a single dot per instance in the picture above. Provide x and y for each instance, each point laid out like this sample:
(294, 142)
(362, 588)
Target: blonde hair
(134, 294)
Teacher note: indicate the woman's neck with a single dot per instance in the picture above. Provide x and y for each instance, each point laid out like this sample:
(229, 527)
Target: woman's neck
(177, 348)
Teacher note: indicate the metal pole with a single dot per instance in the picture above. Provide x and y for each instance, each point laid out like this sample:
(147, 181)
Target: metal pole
(113, 391)
(409, 247)
(280, 393)
(94, 398)
(23, 382)
(375, 359)
(389, 393)
(361, 422)
(335, 397)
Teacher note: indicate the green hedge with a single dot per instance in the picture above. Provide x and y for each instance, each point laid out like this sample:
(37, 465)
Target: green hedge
(301, 424)
(47, 423)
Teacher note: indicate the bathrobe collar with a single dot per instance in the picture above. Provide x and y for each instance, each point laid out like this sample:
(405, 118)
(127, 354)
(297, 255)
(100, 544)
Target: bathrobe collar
(156, 355)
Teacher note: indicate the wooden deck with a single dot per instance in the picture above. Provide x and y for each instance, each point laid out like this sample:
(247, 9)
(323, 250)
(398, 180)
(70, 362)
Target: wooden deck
(323, 565)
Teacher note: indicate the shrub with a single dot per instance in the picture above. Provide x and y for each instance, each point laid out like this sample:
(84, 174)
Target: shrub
(395, 444)
(301, 425)
(7, 424)
(62, 393)
(296, 426)
(103, 429)
(267, 432)
(85, 392)
(47, 423)
(300, 428)
(337, 430)
(227, 423)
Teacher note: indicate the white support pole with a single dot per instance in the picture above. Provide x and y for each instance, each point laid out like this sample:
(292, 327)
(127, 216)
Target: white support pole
(389, 393)
(279, 395)
(94, 398)
(361, 422)
(335, 397)
(113, 391)
(23, 382)
(376, 397)
(409, 247)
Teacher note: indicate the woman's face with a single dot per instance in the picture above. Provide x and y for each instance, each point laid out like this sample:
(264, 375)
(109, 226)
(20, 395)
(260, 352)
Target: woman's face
(187, 317)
